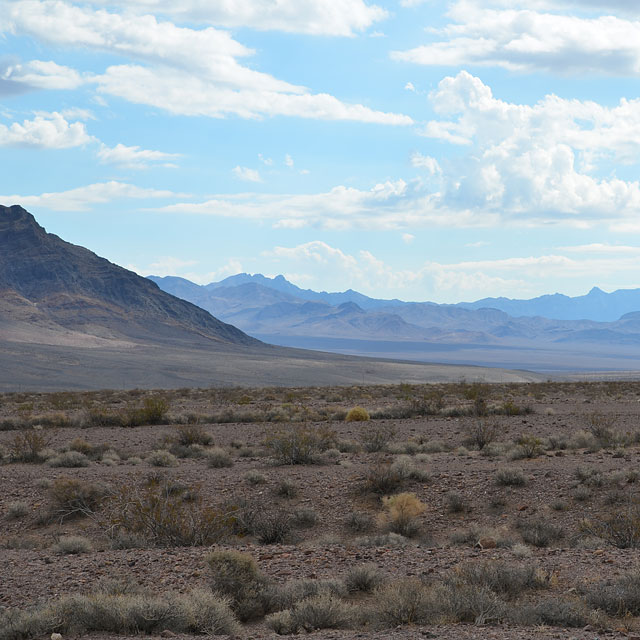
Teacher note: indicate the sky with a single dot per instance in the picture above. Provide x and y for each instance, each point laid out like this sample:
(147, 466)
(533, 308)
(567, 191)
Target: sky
(412, 149)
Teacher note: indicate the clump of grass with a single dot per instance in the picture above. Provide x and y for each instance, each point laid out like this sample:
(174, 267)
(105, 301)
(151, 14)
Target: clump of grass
(162, 458)
(510, 478)
(364, 579)
(456, 502)
(405, 602)
(360, 522)
(197, 611)
(72, 545)
(382, 540)
(17, 510)
(286, 489)
(619, 598)
(304, 518)
(254, 477)
(539, 533)
(69, 459)
(218, 458)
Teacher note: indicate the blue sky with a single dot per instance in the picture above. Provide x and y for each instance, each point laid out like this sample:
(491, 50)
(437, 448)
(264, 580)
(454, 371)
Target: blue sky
(415, 149)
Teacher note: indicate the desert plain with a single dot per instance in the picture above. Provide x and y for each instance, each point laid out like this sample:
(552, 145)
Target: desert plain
(458, 510)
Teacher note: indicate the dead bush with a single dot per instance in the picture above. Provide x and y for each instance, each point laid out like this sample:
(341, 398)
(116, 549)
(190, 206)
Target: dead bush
(166, 515)
(27, 445)
(71, 498)
(401, 512)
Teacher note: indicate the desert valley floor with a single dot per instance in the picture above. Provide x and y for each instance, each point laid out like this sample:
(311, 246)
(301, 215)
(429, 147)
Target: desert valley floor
(518, 514)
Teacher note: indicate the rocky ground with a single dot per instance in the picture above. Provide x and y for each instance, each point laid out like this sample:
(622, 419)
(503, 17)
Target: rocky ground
(546, 502)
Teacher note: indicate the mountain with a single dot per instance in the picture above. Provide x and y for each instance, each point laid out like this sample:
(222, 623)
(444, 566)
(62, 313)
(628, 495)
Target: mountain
(595, 305)
(70, 320)
(278, 311)
(280, 283)
(58, 283)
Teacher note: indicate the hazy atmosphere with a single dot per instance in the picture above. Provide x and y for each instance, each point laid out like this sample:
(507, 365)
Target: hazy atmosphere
(415, 149)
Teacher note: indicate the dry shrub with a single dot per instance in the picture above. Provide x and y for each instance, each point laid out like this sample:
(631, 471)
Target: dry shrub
(620, 597)
(198, 611)
(382, 478)
(71, 498)
(364, 579)
(236, 575)
(539, 533)
(377, 437)
(405, 601)
(295, 445)
(69, 460)
(401, 512)
(166, 515)
(72, 545)
(27, 445)
(323, 611)
(481, 433)
(190, 434)
(510, 478)
(218, 458)
(162, 458)
(360, 522)
(505, 579)
(153, 411)
(621, 529)
(357, 414)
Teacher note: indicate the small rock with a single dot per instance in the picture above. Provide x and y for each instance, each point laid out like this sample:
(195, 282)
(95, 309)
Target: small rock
(56, 636)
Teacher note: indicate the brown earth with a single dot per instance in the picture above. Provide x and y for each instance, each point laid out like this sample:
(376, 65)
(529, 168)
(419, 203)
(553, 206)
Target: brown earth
(567, 483)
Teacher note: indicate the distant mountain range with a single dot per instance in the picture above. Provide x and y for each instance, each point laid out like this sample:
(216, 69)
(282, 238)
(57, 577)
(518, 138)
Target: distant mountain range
(276, 310)
(72, 320)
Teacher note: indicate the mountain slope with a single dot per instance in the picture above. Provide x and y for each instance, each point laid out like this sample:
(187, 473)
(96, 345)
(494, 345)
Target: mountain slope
(52, 282)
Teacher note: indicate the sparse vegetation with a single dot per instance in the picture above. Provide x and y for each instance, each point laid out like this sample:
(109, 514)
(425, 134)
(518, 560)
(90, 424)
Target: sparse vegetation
(384, 491)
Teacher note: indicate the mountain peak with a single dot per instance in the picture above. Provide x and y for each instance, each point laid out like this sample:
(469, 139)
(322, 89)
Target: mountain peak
(596, 291)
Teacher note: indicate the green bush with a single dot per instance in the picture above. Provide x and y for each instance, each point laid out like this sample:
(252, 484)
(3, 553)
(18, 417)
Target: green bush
(295, 445)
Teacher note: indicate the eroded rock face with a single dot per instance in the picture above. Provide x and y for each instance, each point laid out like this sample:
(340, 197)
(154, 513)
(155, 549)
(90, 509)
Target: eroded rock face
(74, 287)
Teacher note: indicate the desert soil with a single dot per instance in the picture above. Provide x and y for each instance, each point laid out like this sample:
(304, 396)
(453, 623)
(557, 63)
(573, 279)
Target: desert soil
(495, 516)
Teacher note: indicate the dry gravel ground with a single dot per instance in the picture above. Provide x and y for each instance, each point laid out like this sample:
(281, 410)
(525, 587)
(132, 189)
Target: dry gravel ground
(569, 480)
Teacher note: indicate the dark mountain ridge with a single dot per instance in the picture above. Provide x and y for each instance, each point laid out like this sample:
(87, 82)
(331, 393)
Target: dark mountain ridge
(72, 287)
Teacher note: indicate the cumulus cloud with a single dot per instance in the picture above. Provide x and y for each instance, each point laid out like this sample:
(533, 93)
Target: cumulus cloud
(536, 162)
(316, 17)
(516, 276)
(135, 158)
(202, 64)
(520, 39)
(83, 198)
(524, 165)
(244, 173)
(45, 131)
(39, 74)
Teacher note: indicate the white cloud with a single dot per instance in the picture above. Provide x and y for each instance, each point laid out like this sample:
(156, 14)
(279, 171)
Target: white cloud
(408, 238)
(425, 162)
(82, 198)
(316, 17)
(288, 160)
(45, 131)
(535, 163)
(602, 248)
(180, 61)
(410, 87)
(135, 157)
(266, 161)
(249, 175)
(470, 280)
(40, 74)
(526, 40)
